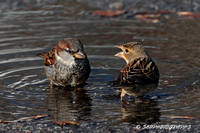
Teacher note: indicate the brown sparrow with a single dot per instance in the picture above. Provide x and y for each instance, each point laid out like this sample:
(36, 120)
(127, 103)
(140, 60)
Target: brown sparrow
(67, 63)
(140, 67)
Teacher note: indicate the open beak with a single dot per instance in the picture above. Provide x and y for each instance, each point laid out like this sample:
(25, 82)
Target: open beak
(79, 55)
(118, 46)
(120, 54)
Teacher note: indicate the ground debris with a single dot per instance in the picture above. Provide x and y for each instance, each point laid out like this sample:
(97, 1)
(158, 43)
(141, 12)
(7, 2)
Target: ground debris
(25, 119)
(179, 117)
(63, 123)
(148, 16)
(108, 13)
(189, 15)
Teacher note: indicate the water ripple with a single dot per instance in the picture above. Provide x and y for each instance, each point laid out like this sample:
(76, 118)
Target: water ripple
(18, 50)
(10, 71)
(25, 88)
(20, 59)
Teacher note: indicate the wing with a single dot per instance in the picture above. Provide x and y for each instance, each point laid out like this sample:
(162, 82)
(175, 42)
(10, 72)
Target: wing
(150, 70)
(42, 55)
(49, 58)
(141, 70)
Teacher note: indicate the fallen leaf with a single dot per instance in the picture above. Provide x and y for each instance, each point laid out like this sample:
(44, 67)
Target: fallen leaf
(6, 122)
(188, 15)
(180, 117)
(155, 12)
(63, 123)
(197, 15)
(40, 116)
(187, 117)
(184, 13)
(59, 123)
(25, 119)
(153, 18)
(165, 12)
(108, 13)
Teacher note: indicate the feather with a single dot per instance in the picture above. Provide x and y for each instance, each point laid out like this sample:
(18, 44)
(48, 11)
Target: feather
(141, 70)
(49, 58)
(42, 55)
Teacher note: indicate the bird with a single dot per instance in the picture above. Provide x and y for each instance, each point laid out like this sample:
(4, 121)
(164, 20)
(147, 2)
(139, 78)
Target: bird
(140, 67)
(67, 63)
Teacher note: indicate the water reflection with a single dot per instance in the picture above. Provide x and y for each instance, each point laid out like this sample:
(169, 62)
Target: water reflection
(139, 113)
(69, 104)
(24, 93)
(136, 90)
(6, 106)
(141, 110)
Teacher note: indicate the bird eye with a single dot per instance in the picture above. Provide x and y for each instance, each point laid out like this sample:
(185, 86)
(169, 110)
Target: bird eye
(126, 50)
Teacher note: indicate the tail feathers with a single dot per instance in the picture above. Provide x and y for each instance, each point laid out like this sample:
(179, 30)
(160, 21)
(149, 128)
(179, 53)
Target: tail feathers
(42, 55)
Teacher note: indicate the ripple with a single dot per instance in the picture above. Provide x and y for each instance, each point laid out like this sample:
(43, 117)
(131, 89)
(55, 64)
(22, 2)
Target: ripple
(9, 26)
(102, 57)
(5, 44)
(20, 81)
(143, 38)
(23, 12)
(101, 47)
(20, 59)
(26, 86)
(18, 50)
(68, 22)
(10, 71)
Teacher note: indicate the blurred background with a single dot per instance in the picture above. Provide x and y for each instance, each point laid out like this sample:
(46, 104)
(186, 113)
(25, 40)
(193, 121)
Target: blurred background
(168, 29)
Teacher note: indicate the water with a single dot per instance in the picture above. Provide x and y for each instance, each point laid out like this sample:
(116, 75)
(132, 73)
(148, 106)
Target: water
(24, 89)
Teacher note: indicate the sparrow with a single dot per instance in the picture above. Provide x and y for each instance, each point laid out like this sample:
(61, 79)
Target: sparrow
(67, 63)
(140, 68)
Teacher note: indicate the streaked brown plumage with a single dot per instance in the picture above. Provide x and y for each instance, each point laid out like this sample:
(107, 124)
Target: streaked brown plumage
(140, 67)
(49, 58)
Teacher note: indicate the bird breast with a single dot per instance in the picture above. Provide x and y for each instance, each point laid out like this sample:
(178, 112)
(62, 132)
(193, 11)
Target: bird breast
(65, 59)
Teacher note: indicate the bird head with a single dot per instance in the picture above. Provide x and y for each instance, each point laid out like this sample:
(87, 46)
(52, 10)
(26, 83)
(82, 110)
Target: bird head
(131, 51)
(68, 50)
(70, 47)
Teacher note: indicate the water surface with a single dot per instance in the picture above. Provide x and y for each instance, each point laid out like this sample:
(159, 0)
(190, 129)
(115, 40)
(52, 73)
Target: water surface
(24, 88)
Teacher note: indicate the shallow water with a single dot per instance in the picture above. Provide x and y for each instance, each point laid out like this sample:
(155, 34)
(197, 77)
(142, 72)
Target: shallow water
(24, 88)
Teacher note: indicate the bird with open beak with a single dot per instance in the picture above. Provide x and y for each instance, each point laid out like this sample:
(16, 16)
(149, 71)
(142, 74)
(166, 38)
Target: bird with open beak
(140, 67)
(67, 63)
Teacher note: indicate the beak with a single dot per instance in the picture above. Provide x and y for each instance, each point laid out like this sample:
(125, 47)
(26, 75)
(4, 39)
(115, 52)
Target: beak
(120, 54)
(79, 55)
(118, 46)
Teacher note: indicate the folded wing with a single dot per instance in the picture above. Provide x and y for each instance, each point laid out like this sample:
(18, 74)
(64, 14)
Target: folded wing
(141, 70)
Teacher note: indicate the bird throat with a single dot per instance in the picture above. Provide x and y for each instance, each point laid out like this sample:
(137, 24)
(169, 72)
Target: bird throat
(65, 58)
